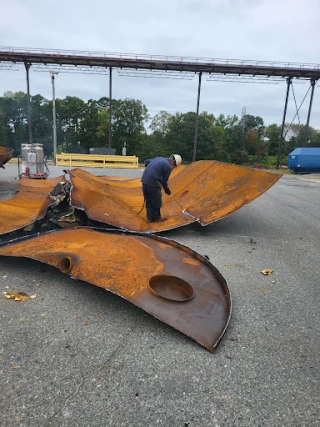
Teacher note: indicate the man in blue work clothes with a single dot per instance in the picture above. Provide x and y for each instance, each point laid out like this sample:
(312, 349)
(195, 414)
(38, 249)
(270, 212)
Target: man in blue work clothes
(154, 177)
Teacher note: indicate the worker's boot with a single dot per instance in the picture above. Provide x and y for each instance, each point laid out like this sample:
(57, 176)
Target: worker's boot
(160, 219)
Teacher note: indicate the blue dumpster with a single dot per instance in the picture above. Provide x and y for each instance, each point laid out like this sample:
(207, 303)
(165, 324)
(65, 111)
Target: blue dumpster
(304, 160)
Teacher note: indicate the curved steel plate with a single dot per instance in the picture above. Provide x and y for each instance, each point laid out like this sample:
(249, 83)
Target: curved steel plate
(6, 154)
(203, 191)
(164, 278)
(28, 205)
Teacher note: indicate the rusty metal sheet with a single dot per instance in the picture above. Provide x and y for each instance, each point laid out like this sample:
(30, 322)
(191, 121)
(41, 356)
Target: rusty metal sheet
(28, 205)
(204, 191)
(164, 278)
(6, 154)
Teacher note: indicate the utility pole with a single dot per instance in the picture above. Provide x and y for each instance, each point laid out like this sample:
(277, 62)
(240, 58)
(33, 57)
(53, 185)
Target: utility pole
(54, 122)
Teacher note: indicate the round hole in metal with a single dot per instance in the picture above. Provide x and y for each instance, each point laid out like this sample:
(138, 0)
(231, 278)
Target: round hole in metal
(65, 264)
(170, 287)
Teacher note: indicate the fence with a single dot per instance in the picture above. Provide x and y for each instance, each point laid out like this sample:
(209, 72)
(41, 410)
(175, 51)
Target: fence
(97, 161)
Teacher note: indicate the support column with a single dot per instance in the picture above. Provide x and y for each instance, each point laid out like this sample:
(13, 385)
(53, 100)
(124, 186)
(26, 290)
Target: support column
(197, 121)
(283, 123)
(110, 107)
(313, 83)
(28, 102)
(54, 120)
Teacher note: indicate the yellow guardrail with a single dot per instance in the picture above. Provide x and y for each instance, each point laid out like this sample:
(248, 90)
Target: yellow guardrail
(96, 161)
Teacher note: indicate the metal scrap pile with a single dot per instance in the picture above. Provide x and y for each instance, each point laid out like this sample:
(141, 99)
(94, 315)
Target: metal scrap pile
(69, 221)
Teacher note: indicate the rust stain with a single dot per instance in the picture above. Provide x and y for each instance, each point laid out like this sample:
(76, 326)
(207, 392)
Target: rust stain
(162, 277)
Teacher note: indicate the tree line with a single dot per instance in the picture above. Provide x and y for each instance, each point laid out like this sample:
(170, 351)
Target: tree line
(83, 125)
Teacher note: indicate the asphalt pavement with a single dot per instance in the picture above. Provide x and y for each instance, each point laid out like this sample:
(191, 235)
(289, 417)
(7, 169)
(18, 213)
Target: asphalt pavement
(77, 355)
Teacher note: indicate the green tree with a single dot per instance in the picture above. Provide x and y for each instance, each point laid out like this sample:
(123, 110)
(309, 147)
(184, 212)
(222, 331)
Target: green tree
(102, 131)
(41, 119)
(225, 121)
(14, 106)
(128, 124)
(273, 133)
(180, 136)
(3, 129)
(253, 123)
(239, 157)
(149, 147)
(160, 122)
(315, 140)
(89, 125)
(236, 138)
(70, 112)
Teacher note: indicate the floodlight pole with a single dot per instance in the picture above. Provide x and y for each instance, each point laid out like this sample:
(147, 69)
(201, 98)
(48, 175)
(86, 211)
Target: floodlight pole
(313, 83)
(197, 121)
(28, 102)
(54, 120)
(283, 122)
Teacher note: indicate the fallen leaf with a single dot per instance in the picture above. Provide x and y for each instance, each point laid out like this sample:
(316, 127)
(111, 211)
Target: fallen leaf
(267, 271)
(17, 296)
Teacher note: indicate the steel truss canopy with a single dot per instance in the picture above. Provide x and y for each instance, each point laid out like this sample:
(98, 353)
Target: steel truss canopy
(157, 62)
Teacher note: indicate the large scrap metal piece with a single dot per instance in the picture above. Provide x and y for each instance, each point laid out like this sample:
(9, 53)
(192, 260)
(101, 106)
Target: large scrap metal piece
(203, 192)
(28, 205)
(6, 154)
(164, 278)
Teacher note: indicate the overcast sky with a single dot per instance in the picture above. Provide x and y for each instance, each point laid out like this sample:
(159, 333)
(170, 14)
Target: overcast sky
(271, 30)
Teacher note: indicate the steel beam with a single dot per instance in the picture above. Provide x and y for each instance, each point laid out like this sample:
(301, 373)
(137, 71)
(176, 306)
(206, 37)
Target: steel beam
(283, 122)
(197, 122)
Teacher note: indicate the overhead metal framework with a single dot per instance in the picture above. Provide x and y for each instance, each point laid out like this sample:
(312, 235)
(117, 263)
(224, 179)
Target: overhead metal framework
(157, 62)
(157, 66)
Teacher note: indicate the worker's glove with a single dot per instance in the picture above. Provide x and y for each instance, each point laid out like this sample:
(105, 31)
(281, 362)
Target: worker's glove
(167, 191)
